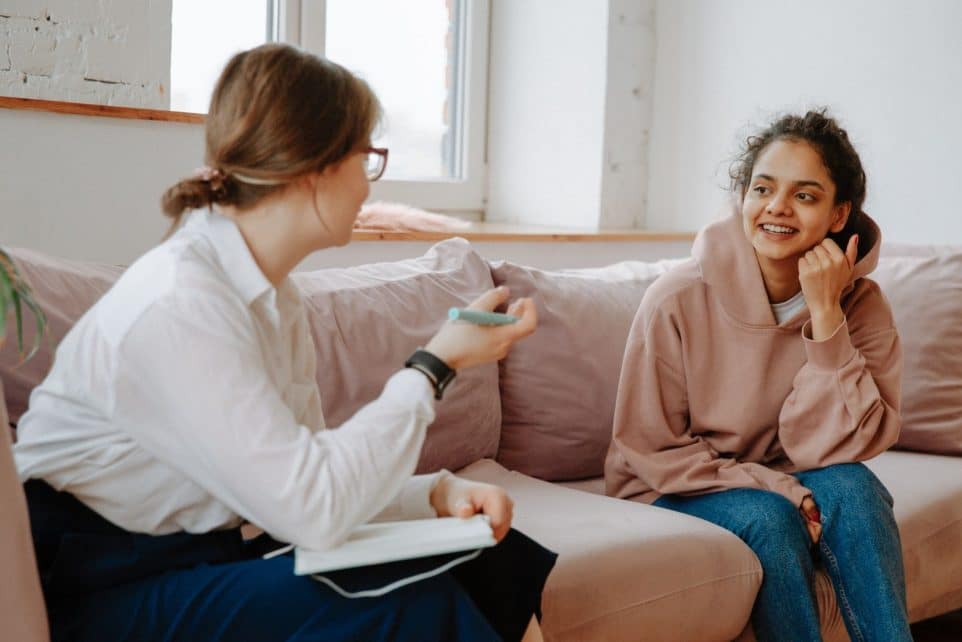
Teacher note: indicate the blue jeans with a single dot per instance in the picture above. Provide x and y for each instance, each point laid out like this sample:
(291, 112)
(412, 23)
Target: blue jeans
(859, 549)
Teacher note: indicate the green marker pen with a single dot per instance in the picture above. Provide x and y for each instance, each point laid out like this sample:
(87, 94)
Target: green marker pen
(479, 317)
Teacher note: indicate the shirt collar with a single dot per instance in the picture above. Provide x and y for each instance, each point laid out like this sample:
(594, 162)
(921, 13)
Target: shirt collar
(241, 269)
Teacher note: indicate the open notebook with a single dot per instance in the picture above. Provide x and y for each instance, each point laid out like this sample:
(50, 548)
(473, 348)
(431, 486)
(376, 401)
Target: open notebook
(380, 542)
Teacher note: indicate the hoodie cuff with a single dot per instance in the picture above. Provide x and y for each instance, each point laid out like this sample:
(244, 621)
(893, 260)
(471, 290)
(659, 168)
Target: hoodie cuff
(831, 353)
(793, 491)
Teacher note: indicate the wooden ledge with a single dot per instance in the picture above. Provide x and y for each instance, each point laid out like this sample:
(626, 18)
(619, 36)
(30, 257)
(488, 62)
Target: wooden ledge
(508, 232)
(109, 111)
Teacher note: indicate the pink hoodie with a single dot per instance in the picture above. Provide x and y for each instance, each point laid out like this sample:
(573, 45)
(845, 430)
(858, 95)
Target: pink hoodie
(715, 395)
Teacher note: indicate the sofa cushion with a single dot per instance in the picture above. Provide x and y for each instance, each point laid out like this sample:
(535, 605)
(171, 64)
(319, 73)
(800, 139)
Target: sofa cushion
(928, 508)
(367, 320)
(629, 571)
(558, 386)
(64, 290)
(924, 286)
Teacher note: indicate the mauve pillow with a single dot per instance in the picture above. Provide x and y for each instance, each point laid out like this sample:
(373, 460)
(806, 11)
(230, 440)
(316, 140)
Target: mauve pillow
(367, 320)
(558, 386)
(925, 290)
(64, 290)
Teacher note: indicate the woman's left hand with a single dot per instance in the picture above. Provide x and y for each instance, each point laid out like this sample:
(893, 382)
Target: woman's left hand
(456, 497)
(823, 273)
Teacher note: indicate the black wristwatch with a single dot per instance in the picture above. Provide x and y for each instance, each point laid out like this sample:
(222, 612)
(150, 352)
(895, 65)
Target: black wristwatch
(438, 373)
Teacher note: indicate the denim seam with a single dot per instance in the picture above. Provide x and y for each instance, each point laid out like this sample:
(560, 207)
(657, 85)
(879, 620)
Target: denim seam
(840, 591)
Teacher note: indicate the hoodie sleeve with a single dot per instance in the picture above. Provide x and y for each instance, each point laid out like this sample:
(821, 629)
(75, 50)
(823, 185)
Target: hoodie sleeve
(652, 440)
(844, 404)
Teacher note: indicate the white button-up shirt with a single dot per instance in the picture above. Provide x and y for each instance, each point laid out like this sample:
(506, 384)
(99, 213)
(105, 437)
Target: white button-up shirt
(186, 400)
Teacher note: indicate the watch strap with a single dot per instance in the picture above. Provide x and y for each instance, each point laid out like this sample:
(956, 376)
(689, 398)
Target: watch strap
(438, 373)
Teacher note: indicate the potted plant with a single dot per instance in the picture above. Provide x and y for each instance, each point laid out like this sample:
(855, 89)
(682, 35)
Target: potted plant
(15, 294)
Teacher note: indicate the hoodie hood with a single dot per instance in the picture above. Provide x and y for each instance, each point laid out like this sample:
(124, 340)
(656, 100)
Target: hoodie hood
(730, 268)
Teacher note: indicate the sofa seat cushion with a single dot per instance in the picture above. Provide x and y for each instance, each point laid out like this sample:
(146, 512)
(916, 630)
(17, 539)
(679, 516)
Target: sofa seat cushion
(629, 571)
(928, 508)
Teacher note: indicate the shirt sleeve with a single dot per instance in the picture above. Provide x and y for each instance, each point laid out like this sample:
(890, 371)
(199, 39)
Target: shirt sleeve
(651, 431)
(844, 403)
(191, 388)
(414, 500)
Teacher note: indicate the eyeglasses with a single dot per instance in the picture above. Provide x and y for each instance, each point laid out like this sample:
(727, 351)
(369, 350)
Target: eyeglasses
(375, 162)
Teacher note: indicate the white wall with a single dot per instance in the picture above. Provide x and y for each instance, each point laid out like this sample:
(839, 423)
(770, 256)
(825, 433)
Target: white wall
(108, 52)
(569, 100)
(89, 188)
(891, 70)
(546, 98)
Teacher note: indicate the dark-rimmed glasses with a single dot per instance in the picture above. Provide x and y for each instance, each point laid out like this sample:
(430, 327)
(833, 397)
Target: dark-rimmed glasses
(375, 163)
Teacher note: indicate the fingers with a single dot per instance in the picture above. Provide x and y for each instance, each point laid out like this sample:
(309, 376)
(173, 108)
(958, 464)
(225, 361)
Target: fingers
(814, 531)
(491, 299)
(823, 256)
(833, 251)
(495, 503)
(463, 508)
(827, 255)
(851, 252)
(527, 314)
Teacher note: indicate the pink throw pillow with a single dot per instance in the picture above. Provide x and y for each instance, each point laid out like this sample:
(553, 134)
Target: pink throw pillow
(64, 290)
(924, 286)
(367, 320)
(558, 386)
(396, 217)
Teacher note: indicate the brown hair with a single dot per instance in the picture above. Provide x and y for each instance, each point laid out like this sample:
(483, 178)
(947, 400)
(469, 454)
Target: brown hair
(277, 113)
(824, 134)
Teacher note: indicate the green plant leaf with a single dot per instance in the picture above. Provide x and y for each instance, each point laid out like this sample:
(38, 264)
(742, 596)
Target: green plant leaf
(15, 293)
(18, 314)
(6, 299)
(40, 321)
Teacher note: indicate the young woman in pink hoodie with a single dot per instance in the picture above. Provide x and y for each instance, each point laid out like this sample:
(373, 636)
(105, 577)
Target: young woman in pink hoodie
(759, 373)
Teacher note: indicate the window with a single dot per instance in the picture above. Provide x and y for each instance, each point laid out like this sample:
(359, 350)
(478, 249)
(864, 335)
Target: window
(204, 35)
(425, 59)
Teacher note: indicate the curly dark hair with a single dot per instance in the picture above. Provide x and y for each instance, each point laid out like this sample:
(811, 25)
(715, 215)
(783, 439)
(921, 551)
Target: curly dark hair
(831, 142)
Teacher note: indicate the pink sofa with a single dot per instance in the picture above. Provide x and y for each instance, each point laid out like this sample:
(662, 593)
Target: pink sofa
(539, 424)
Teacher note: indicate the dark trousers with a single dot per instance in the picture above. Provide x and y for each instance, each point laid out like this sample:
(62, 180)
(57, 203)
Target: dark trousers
(104, 583)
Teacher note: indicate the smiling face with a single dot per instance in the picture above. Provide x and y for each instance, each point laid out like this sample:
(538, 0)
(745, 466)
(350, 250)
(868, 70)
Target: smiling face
(789, 206)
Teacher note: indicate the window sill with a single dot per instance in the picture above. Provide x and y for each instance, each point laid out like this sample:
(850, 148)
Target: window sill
(92, 109)
(508, 232)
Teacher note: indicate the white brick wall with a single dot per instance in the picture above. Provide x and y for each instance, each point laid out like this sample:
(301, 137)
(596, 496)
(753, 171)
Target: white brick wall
(109, 52)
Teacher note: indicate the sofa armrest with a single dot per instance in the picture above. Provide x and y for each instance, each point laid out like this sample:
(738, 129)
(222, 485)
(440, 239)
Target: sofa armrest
(21, 602)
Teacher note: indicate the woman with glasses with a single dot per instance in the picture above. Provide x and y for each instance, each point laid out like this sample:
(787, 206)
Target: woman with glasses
(184, 404)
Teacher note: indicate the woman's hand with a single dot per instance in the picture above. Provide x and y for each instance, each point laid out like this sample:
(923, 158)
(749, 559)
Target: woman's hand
(813, 518)
(823, 273)
(456, 497)
(460, 344)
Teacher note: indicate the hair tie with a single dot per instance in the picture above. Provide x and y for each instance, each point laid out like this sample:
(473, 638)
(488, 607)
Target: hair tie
(209, 174)
(216, 181)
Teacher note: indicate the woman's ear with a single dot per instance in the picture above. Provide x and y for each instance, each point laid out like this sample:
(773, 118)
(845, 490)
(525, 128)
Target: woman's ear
(840, 216)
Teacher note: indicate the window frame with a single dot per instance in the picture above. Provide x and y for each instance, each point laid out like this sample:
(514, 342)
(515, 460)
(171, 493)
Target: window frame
(303, 23)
